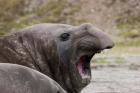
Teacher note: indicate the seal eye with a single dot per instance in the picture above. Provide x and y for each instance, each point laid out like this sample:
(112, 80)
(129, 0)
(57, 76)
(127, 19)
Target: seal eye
(64, 36)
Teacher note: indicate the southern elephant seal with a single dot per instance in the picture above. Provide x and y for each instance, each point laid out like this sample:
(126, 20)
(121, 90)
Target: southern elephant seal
(20, 79)
(63, 52)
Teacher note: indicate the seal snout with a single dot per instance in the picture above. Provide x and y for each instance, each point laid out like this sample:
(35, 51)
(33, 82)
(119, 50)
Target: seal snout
(105, 41)
(102, 39)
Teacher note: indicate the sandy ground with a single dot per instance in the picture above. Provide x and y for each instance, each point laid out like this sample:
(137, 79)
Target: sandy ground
(114, 80)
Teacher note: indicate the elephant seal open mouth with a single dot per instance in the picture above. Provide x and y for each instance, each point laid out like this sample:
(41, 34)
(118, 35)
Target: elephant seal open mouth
(63, 52)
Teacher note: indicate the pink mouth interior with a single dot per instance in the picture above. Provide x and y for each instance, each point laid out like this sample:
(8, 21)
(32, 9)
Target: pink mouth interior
(81, 66)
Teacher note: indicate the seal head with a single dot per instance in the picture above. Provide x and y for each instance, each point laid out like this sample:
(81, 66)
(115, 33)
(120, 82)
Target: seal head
(63, 52)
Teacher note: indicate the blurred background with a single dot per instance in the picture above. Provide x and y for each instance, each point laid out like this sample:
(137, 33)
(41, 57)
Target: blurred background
(114, 71)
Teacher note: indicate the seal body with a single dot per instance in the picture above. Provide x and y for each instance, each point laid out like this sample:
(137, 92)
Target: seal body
(62, 52)
(20, 79)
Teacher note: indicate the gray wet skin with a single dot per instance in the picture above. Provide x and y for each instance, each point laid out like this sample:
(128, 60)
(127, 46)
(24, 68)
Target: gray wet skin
(20, 79)
(63, 52)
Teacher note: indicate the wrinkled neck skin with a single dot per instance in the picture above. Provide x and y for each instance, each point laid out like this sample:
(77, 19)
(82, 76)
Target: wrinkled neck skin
(37, 53)
(30, 50)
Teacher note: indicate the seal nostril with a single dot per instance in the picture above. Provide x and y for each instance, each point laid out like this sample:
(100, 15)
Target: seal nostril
(58, 91)
(108, 47)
